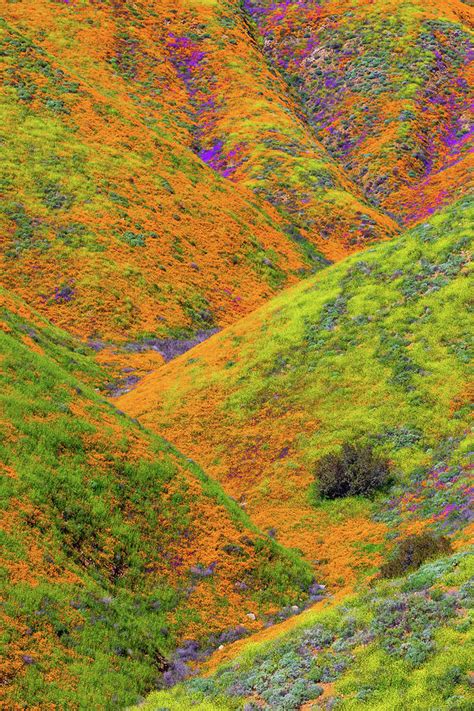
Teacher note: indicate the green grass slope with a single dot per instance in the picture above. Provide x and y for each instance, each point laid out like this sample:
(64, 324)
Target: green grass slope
(114, 546)
(375, 349)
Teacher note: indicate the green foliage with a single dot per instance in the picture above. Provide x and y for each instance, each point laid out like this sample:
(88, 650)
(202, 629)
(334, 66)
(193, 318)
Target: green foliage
(414, 550)
(134, 239)
(274, 572)
(198, 310)
(384, 648)
(55, 198)
(355, 471)
(406, 624)
(27, 232)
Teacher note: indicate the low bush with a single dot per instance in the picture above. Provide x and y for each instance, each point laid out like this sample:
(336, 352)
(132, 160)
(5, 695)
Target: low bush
(412, 551)
(355, 471)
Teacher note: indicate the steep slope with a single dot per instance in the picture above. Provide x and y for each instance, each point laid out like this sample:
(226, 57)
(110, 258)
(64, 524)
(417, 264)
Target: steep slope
(112, 223)
(112, 226)
(403, 644)
(251, 130)
(375, 349)
(114, 546)
(387, 88)
(167, 168)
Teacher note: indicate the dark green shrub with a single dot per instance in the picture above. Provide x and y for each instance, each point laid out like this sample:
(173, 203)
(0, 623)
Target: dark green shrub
(355, 471)
(412, 551)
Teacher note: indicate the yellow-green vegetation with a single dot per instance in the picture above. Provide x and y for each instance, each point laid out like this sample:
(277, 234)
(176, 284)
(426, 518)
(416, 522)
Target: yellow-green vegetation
(386, 333)
(374, 351)
(280, 517)
(405, 644)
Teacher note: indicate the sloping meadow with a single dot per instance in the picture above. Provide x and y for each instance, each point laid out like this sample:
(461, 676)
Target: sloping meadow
(403, 644)
(374, 350)
(112, 225)
(115, 547)
(155, 177)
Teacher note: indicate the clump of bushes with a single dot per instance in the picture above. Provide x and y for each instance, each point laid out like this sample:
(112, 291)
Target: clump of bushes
(406, 626)
(355, 471)
(414, 550)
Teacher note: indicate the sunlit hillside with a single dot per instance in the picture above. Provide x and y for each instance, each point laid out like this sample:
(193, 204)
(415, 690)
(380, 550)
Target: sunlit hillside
(116, 221)
(235, 355)
(377, 349)
(403, 644)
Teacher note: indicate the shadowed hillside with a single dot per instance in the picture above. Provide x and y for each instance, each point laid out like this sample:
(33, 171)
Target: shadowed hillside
(386, 87)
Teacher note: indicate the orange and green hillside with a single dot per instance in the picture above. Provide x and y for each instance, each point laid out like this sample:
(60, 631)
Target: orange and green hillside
(115, 546)
(376, 348)
(167, 168)
(113, 225)
(235, 355)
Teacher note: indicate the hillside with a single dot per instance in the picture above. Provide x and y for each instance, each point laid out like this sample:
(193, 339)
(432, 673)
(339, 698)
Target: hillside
(115, 546)
(103, 229)
(116, 220)
(167, 169)
(375, 348)
(403, 644)
(249, 127)
(235, 355)
(387, 89)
